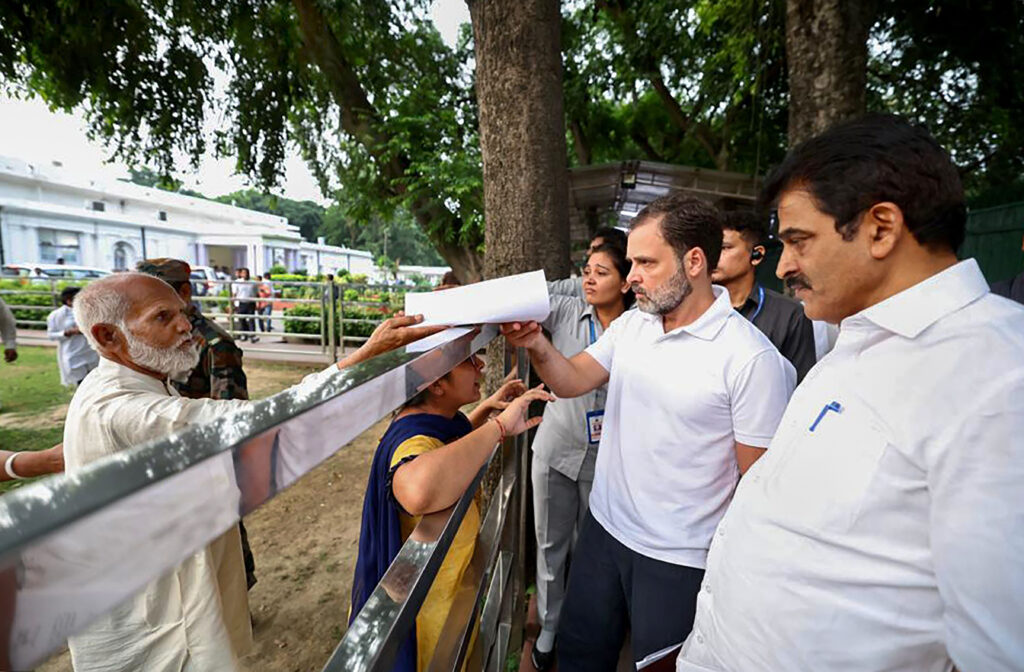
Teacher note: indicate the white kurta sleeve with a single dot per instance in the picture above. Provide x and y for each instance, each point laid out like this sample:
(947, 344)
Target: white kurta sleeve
(54, 326)
(8, 328)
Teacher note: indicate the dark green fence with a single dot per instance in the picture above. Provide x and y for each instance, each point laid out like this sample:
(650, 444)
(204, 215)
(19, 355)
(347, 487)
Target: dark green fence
(994, 238)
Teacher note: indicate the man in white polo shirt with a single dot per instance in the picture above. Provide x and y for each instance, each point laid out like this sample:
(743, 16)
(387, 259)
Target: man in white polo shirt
(884, 529)
(695, 393)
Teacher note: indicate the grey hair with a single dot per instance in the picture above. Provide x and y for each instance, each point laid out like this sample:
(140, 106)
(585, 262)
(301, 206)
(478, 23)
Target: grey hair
(103, 302)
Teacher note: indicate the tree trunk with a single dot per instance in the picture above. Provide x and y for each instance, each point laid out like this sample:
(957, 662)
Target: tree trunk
(827, 54)
(522, 135)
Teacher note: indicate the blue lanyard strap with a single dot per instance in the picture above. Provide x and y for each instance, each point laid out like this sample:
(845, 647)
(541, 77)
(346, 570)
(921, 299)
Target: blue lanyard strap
(593, 332)
(760, 303)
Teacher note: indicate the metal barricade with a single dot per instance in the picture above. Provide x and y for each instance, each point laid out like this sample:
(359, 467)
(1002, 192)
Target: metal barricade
(74, 546)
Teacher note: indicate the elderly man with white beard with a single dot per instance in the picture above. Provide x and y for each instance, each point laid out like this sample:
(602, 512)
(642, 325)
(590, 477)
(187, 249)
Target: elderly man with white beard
(196, 617)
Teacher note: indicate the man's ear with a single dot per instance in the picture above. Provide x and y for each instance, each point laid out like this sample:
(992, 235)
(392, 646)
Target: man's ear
(107, 335)
(884, 227)
(757, 255)
(695, 262)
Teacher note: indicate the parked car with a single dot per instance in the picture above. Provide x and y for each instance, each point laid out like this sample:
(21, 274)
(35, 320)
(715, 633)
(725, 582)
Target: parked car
(203, 281)
(54, 271)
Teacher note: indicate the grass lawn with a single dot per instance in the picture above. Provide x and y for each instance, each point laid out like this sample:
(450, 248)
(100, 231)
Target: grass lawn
(32, 383)
(30, 392)
(33, 399)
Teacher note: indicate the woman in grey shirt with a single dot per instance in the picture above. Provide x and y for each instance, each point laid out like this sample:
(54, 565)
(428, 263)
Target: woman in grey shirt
(565, 448)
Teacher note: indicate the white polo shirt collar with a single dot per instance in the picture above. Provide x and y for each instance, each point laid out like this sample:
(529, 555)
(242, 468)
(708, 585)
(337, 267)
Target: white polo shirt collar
(709, 324)
(916, 308)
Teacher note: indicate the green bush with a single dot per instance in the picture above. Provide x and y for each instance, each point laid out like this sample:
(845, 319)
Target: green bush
(46, 302)
(278, 268)
(371, 315)
(301, 326)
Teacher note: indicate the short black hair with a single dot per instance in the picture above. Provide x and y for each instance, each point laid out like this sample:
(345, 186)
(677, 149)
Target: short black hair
(68, 293)
(686, 222)
(609, 235)
(621, 263)
(752, 227)
(876, 158)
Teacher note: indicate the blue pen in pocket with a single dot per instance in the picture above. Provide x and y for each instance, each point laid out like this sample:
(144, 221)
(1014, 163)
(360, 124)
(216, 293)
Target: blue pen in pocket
(831, 406)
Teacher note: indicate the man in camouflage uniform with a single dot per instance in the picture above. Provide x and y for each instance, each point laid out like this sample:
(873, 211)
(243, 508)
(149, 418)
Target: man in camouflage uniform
(219, 374)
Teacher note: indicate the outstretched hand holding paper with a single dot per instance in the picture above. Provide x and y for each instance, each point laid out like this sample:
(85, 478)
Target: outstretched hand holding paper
(516, 298)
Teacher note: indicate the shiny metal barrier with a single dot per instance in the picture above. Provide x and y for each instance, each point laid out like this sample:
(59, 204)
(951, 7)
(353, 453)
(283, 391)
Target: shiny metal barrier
(486, 618)
(74, 546)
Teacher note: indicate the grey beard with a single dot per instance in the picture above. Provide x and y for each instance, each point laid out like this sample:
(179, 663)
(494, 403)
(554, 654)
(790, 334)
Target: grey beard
(666, 298)
(168, 361)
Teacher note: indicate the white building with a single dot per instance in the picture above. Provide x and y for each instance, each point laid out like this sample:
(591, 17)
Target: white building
(47, 213)
(431, 273)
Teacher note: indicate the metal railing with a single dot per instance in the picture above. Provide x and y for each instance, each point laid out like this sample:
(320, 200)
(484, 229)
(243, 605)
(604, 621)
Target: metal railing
(335, 324)
(74, 546)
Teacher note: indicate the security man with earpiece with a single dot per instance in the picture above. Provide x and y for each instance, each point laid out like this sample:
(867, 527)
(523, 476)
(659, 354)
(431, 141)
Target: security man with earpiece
(778, 317)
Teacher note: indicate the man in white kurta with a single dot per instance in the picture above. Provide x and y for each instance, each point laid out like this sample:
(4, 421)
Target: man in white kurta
(75, 357)
(195, 617)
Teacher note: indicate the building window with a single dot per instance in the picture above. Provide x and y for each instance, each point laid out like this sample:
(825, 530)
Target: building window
(98, 206)
(162, 215)
(54, 245)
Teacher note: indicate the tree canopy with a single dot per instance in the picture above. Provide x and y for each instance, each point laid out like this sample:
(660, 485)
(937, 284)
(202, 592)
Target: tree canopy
(386, 115)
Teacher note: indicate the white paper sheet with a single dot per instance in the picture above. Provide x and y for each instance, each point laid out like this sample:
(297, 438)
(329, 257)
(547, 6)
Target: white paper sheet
(516, 298)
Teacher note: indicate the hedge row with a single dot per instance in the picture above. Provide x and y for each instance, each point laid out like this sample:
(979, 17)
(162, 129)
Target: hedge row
(45, 302)
(360, 329)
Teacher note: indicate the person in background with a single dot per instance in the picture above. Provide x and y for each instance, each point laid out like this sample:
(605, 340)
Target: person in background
(245, 291)
(779, 317)
(8, 334)
(449, 279)
(695, 394)
(1013, 288)
(265, 308)
(606, 235)
(75, 357)
(565, 447)
(424, 463)
(884, 529)
(219, 373)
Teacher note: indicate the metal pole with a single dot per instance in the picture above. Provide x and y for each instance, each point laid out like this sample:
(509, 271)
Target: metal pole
(323, 322)
(330, 321)
(231, 312)
(341, 323)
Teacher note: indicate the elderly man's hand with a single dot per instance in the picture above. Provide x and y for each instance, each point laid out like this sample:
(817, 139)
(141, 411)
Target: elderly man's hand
(10, 354)
(392, 333)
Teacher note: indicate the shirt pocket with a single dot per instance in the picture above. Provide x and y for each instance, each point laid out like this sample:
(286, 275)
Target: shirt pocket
(821, 480)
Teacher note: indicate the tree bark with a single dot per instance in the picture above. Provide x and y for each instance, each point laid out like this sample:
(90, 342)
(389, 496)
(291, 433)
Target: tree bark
(827, 55)
(522, 135)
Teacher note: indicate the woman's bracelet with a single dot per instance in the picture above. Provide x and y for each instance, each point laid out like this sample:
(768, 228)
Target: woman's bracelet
(501, 428)
(9, 466)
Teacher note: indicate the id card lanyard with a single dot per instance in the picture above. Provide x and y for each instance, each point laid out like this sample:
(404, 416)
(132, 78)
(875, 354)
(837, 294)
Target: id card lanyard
(595, 418)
